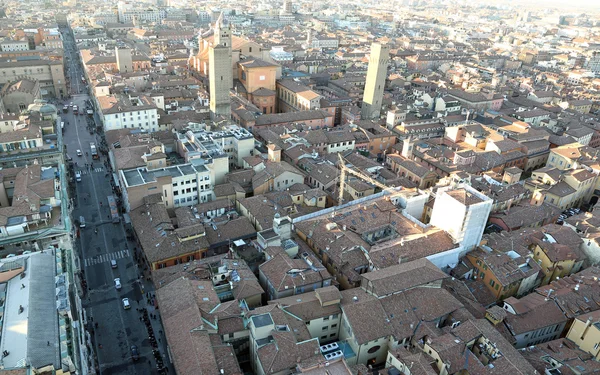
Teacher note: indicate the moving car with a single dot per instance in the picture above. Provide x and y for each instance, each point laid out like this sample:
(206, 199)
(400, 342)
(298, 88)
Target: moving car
(135, 355)
(79, 153)
(78, 176)
(81, 222)
(126, 304)
(118, 283)
(113, 263)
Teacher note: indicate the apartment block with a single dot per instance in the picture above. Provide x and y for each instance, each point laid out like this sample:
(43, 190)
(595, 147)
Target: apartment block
(178, 185)
(128, 112)
(236, 142)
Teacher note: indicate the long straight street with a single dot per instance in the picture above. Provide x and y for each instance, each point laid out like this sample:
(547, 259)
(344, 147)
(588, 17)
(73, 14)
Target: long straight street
(102, 241)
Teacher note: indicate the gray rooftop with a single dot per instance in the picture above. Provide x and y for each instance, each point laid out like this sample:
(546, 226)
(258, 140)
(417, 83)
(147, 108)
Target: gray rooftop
(26, 335)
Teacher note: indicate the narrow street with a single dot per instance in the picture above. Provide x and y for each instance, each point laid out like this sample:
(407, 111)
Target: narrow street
(101, 241)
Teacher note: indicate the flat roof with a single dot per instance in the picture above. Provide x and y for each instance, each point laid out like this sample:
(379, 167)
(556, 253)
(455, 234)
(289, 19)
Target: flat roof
(32, 336)
(262, 320)
(140, 176)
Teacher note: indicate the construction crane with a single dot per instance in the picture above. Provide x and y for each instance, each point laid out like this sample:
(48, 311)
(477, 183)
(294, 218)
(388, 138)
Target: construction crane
(362, 176)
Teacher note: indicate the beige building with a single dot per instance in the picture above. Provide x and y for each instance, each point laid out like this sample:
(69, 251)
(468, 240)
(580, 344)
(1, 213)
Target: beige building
(319, 309)
(49, 74)
(279, 341)
(293, 96)
(564, 189)
(565, 157)
(17, 97)
(373, 321)
(9, 45)
(585, 333)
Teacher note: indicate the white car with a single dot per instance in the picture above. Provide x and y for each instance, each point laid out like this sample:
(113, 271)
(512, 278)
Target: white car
(118, 283)
(126, 304)
(79, 153)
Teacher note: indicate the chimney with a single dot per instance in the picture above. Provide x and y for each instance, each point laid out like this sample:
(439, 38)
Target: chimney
(588, 323)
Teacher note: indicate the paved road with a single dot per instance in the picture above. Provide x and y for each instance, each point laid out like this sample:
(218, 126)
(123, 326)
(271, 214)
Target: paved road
(102, 241)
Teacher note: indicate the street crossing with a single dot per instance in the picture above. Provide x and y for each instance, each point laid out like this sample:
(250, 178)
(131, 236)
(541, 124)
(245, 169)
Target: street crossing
(86, 171)
(103, 258)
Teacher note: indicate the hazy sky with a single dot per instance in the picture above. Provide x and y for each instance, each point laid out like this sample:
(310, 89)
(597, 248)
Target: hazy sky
(570, 4)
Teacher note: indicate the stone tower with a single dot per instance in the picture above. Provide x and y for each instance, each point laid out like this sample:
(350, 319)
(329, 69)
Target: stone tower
(124, 61)
(287, 7)
(376, 75)
(407, 147)
(222, 33)
(219, 71)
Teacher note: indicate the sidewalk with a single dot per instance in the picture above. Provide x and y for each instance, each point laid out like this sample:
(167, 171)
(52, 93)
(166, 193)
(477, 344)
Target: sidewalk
(148, 302)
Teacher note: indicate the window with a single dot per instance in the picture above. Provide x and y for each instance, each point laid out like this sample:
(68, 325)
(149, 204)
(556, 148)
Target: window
(324, 337)
(373, 349)
(334, 326)
(325, 328)
(326, 318)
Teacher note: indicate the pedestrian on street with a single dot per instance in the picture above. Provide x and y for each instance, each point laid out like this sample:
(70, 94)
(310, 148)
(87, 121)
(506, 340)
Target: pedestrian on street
(140, 318)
